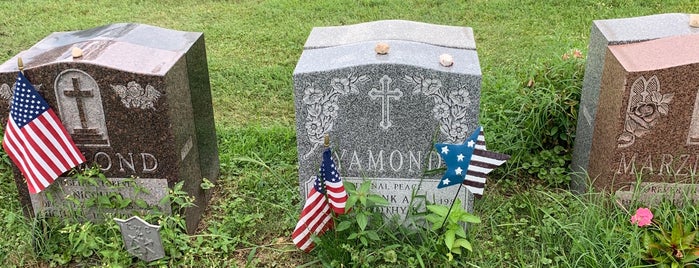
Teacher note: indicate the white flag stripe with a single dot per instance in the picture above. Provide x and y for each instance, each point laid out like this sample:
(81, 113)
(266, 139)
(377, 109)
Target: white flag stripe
(475, 179)
(487, 160)
(336, 204)
(479, 169)
(318, 207)
(28, 153)
(40, 161)
(337, 195)
(52, 143)
(474, 190)
(314, 210)
(45, 148)
(58, 128)
(10, 141)
(306, 235)
(315, 228)
(480, 147)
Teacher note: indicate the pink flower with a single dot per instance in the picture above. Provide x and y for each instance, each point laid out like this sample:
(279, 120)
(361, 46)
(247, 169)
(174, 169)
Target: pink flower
(642, 217)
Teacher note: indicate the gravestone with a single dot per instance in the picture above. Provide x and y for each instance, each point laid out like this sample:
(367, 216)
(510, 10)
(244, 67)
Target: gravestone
(647, 123)
(380, 92)
(136, 101)
(605, 33)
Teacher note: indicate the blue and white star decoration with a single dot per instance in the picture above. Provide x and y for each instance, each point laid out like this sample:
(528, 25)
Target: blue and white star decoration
(469, 163)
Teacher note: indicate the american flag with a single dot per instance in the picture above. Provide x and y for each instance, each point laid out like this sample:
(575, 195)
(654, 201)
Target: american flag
(482, 163)
(316, 216)
(35, 139)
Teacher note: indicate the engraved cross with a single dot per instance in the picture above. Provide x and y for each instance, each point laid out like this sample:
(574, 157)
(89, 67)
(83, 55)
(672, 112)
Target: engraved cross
(78, 94)
(385, 94)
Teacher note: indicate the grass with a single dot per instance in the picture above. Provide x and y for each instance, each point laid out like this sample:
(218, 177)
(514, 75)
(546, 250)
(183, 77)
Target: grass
(252, 48)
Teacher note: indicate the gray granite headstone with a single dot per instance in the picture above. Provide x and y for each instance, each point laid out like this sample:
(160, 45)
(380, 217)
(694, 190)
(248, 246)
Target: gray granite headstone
(603, 34)
(383, 113)
(137, 102)
(141, 239)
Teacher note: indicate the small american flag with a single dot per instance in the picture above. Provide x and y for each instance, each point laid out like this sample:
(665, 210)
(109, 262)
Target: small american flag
(316, 216)
(35, 139)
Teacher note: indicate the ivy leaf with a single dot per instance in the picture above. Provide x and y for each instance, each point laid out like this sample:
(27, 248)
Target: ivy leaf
(438, 209)
(351, 200)
(378, 200)
(362, 220)
(344, 225)
(470, 218)
(449, 237)
(373, 235)
(464, 244)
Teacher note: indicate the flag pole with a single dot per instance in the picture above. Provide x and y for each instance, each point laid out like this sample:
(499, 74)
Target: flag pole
(452, 204)
(326, 144)
(20, 65)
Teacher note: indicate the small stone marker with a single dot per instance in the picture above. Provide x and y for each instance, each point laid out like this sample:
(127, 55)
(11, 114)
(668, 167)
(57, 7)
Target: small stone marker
(141, 239)
(647, 124)
(603, 34)
(385, 93)
(136, 101)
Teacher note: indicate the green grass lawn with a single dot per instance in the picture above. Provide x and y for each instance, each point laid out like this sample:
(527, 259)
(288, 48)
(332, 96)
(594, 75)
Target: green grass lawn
(528, 217)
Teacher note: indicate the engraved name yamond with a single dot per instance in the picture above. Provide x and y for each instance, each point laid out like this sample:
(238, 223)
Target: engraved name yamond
(387, 160)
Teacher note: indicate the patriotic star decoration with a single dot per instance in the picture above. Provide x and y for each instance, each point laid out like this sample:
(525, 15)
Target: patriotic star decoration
(469, 163)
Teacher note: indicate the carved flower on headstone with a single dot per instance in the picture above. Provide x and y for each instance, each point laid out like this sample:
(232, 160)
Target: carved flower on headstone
(314, 130)
(458, 131)
(441, 111)
(348, 84)
(322, 108)
(312, 95)
(646, 105)
(5, 92)
(330, 109)
(450, 109)
(460, 97)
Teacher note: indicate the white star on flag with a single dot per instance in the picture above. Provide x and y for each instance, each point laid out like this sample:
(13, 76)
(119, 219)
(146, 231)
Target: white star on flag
(458, 171)
(460, 157)
(445, 150)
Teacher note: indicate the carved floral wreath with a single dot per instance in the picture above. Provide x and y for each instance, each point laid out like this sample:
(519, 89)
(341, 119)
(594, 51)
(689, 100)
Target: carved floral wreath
(322, 106)
(449, 109)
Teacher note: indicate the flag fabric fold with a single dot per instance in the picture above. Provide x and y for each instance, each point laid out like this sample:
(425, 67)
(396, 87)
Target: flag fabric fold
(35, 139)
(327, 197)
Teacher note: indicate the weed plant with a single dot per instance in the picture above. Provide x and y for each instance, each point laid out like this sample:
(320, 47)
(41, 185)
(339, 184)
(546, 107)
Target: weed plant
(541, 116)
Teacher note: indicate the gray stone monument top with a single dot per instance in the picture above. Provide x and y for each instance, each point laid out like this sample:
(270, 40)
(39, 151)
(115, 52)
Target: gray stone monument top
(401, 52)
(631, 30)
(134, 48)
(602, 34)
(438, 35)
